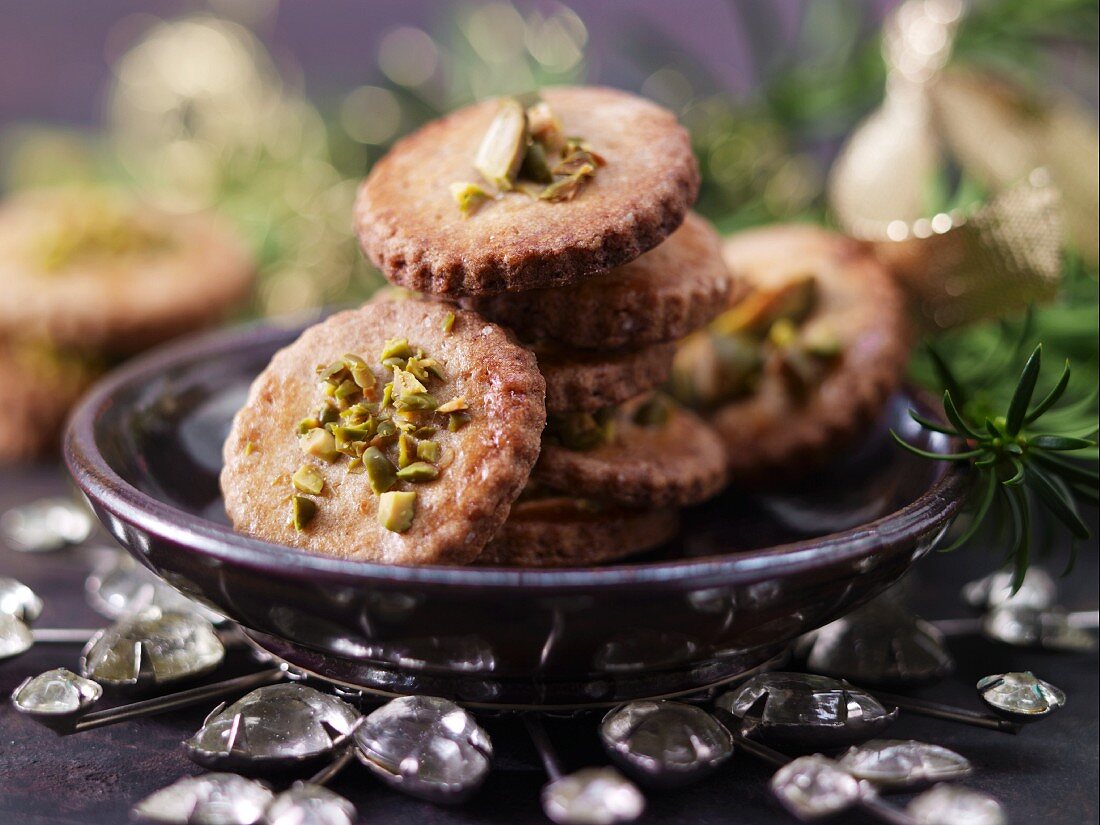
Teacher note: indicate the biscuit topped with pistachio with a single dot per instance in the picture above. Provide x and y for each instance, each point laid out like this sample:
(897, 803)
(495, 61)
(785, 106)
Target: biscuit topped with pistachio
(97, 269)
(400, 432)
(512, 194)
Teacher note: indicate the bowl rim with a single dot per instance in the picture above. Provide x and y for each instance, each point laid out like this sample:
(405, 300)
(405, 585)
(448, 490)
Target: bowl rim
(221, 544)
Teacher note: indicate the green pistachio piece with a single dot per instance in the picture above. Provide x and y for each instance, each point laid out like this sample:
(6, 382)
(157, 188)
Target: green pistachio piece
(457, 420)
(396, 510)
(395, 348)
(387, 395)
(307, 424)
(782, 333)
(347, 437)
(308, 479)
(535, 166)
(502, 149)
(333, 373)
(448, 323)
(360, 371)
(405, 383)
(302, 512)
(433, 367)
(328, 414)
(250, 448)
(544, 127)
(567, 188)
(347, 390)
(428, 451)
(469, 197)
(418, 471)
(415, 366)
(355, 466)
(755, 314)
(380, 472)
(386, 429)
(320, 443)
(821, 341)
(456, 404)
(406, 450)
(416, 401)
(578, 431)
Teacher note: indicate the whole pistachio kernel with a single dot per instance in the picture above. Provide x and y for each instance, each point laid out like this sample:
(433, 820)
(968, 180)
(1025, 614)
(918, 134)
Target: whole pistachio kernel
(302, 512)
(320, 443)
(308, 479)
(380, 472)
(418, 471)
(396, 510)
(501, 152)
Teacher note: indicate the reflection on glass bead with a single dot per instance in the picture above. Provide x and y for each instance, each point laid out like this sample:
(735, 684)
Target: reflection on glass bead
(276, 726)
(209, 799)
(1020, 696)
(119, 586)
(1027, 627)
(427, 747)
(57, 692)
(955, 805)
(1038, 590)
(592, 796)
(665, 744)
(46, 525)
(16, 599)
(812, 787)
(903, 763)
(15, 637)
(152, 648)
(307, 804)
(801, 712)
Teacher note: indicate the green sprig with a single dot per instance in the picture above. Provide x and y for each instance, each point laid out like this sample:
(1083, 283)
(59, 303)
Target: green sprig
(1015, 464)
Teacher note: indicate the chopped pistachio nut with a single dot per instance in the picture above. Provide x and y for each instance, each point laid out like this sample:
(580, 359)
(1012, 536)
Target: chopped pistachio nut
(448, 323)
(456, 404)
(360, 371)
(380, 471)
(428, 451)
(396, 510)
(582, 431)
(320, 443)
(535, 165)
(406, 450)
(395, 348)
(565, 189)
(469, 197)
(501, 152)
(457, 420)
(418, 471)
(308, 480)
(302, 512)
(544, 127)
(250, 447)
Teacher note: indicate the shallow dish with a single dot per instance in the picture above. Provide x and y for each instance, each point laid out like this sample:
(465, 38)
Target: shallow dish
(746, 575)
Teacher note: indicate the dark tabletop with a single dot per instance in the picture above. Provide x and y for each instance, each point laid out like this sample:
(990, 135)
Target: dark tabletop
(1046, 773)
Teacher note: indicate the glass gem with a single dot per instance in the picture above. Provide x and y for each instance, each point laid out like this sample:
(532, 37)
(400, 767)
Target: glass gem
(209, 799)
(903, 763)
(880, 644)
(592, 796)
(272, 727)
(1038, 590)
(1027, 627)
(665, 744)
(18, 600)
(955, 805)
(46, 525)
(152, 648)
(427, 747)
(308, 804)
(58, 692)
(1020, 696)
(812, 787)
(800, 712)
(119, 586)
(15, 637)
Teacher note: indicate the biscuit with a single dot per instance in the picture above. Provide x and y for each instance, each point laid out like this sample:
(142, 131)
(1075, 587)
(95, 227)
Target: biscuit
(772, 436)
(561, 532)
(96, 270)
(586, 381)
(661, 296)
(678, 462)
(411, 228)
(482, 466)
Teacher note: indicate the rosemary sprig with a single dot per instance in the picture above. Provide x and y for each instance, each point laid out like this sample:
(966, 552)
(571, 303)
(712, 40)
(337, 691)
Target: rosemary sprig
(1017, 464)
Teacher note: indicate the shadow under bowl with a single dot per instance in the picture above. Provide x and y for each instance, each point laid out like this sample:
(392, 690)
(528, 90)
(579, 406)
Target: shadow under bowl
(747, 574)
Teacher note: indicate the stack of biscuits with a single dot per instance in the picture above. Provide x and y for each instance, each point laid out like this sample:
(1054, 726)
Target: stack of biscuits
(565, 219)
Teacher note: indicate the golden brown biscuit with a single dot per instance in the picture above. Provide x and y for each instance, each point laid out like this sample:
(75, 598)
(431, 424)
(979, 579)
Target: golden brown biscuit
(661, 296)
(40, 386)
(411, 228)
(96, 269)
(560, 532)
(586, 381)
(775, 431)
(677, 461)
(480, 468)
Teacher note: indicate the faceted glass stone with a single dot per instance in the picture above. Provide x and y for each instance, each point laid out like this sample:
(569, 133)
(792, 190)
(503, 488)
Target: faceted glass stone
(46, 525)
(152, 648)
(307, 804)
(18, 600)
(1022, 626)
(119, 586)
(57, 692)
(811, 787)
(880, 644)
(955, 805)
(15, 637)
(592, 796)
(1020, 696)
(1037, 590)
(903, 763)
(210, 799)
(665, 743)
(271, 727)
(802, 712)
(427, 747)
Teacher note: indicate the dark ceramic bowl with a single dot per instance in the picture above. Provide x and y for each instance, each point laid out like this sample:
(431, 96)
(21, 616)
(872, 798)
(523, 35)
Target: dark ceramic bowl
(746, 576)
